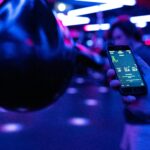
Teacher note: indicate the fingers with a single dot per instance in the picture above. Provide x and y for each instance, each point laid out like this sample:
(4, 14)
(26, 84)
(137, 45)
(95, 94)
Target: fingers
(115, 84)
(111, 73)
(143, 65)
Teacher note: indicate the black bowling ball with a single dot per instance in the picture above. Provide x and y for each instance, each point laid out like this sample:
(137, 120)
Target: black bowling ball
(35, 64)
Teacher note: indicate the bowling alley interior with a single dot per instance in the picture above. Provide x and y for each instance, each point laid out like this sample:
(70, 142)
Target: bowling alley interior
(74, 74)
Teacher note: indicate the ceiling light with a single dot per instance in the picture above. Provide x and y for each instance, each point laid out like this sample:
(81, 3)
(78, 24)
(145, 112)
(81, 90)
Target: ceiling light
(77, 121)
(137, 19)
(124, 2)
(94, 9)
(97, 27)
(141, 24)
(71, 21)
(61, 7)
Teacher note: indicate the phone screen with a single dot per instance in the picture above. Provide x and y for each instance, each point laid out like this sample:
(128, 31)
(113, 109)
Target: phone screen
(126, 68)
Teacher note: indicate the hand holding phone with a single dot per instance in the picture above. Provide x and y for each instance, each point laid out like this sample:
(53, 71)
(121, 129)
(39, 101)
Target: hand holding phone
(127, 70)
(140, 104)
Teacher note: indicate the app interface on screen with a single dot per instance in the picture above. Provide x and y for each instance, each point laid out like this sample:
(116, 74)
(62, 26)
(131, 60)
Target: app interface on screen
(126, 68)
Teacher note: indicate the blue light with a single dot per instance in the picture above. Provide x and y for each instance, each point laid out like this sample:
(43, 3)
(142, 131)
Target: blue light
(12, 12)
(77, 121)
(11, 127)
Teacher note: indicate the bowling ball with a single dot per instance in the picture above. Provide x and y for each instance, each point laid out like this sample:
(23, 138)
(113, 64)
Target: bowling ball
(35, 64)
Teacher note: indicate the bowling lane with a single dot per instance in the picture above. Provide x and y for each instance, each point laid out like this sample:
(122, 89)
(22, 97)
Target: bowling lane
(87, 117)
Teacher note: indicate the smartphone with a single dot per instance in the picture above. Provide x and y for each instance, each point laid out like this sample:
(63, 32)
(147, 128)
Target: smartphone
(127, 70)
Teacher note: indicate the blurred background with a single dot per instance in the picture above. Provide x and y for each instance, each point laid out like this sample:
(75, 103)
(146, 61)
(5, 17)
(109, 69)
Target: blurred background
(85, 20)
(89, 116)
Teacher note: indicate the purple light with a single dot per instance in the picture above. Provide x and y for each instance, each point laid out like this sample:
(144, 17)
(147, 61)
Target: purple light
(1, 2)
(91, 102)
(12, 127)
(141, 24)
(79, 80)
(103, 89)
(72, 90)
(79, 121)
(3, 110)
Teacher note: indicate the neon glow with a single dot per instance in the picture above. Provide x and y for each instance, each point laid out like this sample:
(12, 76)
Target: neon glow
(70, 21)
(3, 110)
(7, 8)
(140, 21)
(124, 2)
(1, 2)
(79, 121)
(12, 127)
(97, 27)
(61, 7)
(89, 43)
(146, 39)
(93, 27)
(137, 19)
(94, 9)
(13, 12)
(147, 42)
(19, 8)
(141, 24)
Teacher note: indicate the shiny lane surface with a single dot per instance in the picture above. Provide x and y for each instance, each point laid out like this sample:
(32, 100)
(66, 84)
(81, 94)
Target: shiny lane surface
(86, 117)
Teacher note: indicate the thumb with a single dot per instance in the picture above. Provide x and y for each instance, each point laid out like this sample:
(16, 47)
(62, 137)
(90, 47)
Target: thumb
(145, 68)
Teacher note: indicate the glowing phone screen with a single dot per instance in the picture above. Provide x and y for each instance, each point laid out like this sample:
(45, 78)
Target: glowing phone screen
(126, 68)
